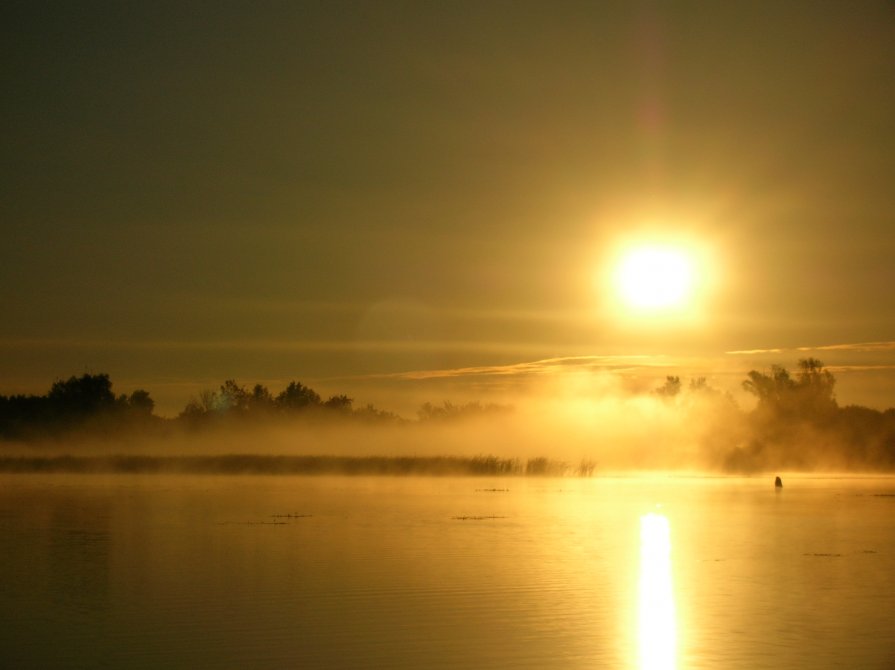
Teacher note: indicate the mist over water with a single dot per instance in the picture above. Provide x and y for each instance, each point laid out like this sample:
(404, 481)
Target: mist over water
(614, 432)
(567, 423)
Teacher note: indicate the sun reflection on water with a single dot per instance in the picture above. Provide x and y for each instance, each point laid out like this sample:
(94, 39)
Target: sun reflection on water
(657, 627)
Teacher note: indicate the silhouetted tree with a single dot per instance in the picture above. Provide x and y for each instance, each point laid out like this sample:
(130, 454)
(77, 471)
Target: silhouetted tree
(22, 415)
(297, 396)
(449, 411)
(140, 402)
(371, 414)
(84, 403)
(234, 398)
(339, 403)
(795, 421)
(670, 388)
(815, 387)
(773, 391)
(81, 396)
(809, 396)
(205, 405)
(700, 385)
(261, 399)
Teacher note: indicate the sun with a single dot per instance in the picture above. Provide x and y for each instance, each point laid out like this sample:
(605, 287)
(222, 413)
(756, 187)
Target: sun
(655, 279)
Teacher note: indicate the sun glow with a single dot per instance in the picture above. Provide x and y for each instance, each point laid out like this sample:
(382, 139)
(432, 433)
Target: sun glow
(655, 279)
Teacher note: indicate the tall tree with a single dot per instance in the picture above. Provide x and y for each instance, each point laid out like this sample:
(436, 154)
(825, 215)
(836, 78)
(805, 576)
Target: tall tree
(297, 396)
(81, 396)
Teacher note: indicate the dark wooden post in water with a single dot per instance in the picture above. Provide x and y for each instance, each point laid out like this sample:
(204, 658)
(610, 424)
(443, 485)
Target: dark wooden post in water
(778, 483)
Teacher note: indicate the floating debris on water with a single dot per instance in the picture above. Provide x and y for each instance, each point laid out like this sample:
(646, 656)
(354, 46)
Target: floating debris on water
(476, 518)
(290, 516)
(823, 555)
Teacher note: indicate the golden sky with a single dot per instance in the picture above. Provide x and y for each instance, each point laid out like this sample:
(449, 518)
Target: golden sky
(361, 195)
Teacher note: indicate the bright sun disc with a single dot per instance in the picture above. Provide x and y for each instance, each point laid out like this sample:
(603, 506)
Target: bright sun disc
(654, 279)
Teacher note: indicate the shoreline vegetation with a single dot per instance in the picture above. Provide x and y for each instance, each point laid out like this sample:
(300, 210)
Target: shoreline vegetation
(297, 465)
(796, 425)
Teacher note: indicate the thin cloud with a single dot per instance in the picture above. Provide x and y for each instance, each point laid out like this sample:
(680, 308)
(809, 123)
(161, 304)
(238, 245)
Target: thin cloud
(535, 368)
(857, 347)
(861, 347)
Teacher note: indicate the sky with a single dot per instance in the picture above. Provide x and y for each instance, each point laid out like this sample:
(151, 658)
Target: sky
(413, 201)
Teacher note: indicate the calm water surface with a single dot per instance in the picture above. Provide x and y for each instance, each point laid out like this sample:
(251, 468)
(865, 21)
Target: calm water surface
(150, 571)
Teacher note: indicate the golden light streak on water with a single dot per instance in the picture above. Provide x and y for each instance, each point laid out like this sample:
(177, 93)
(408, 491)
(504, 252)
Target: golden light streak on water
(657, 625)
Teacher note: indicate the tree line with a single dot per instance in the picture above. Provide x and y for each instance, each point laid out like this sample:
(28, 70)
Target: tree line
(88, 403)
(78, 402)
(797, 422)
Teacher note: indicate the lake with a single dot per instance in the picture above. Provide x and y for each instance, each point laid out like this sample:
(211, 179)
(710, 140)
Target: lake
(187, 571)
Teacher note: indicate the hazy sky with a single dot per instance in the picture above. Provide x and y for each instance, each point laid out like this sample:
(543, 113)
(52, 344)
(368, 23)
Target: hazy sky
(337, 192)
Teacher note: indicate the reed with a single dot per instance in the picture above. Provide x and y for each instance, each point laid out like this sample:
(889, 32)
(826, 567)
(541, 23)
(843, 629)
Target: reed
(486, 465)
